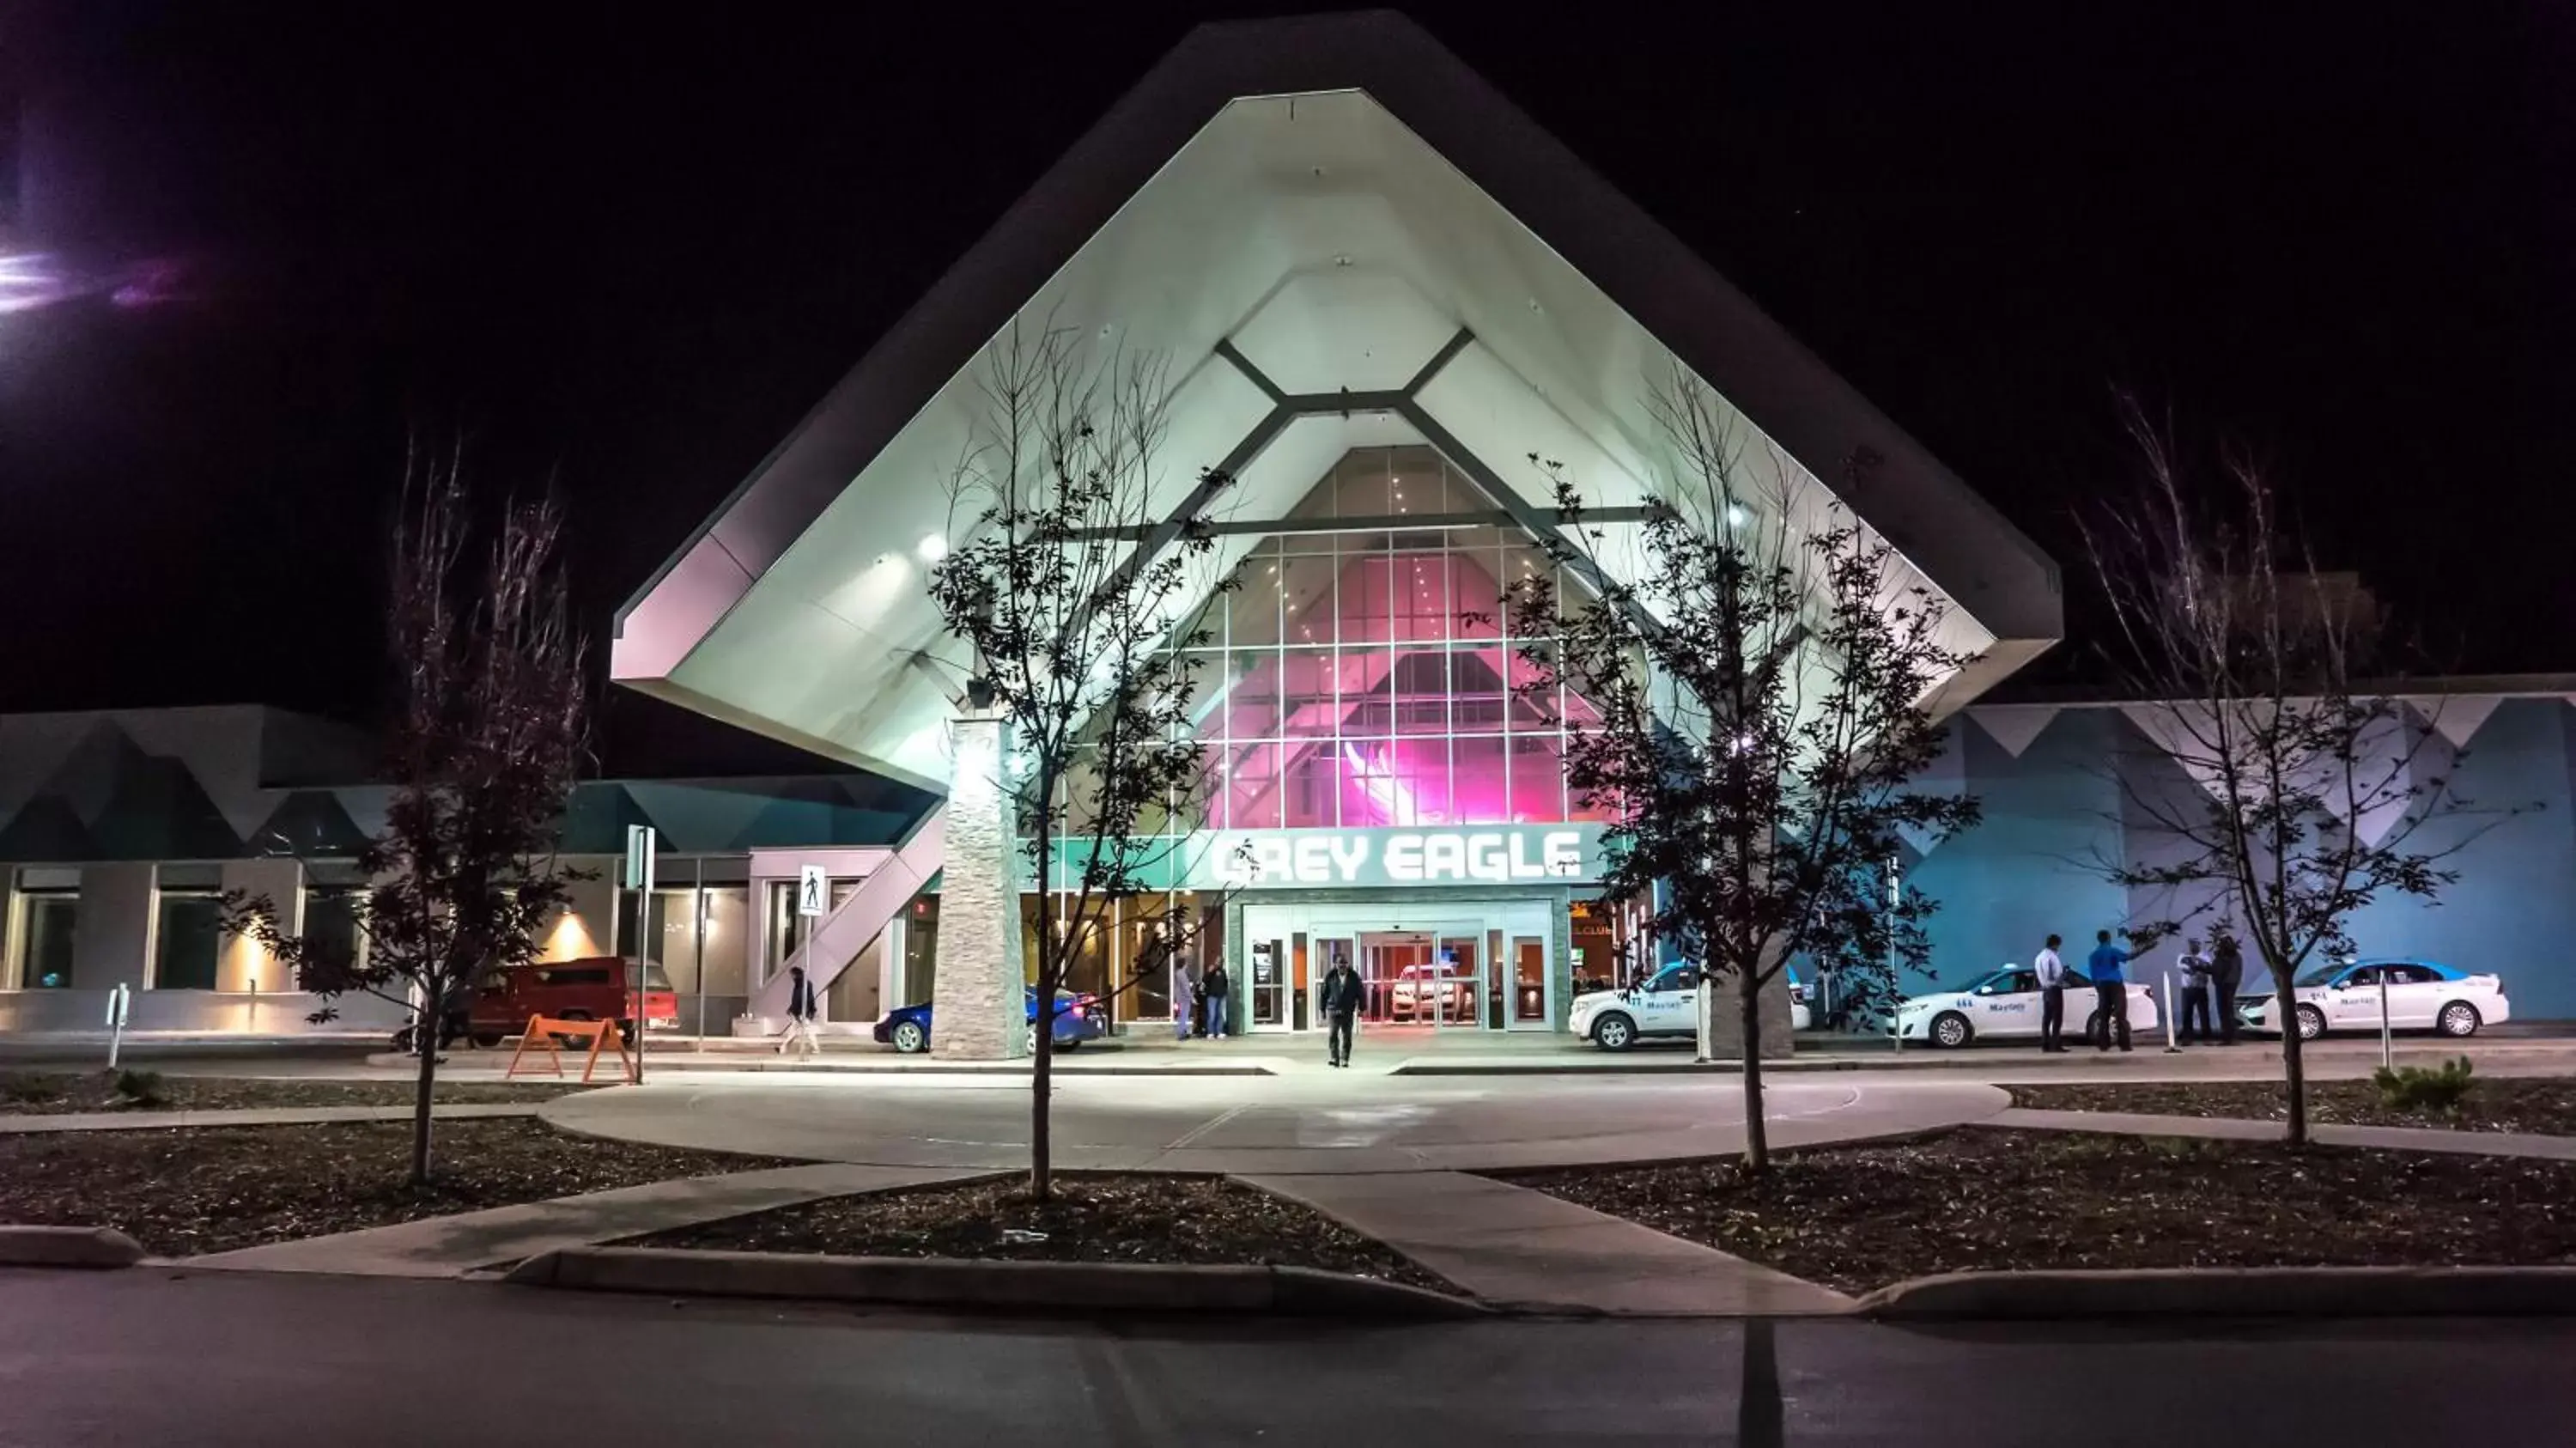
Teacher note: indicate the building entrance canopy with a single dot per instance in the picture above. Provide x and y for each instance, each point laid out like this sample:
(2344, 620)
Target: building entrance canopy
(1335, 237)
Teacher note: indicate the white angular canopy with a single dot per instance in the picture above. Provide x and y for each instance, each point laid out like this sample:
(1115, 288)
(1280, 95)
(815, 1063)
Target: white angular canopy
(1338, 236)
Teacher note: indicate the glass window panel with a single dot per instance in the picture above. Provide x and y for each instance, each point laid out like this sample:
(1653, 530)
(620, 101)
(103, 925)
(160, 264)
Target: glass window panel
(1475, 600)
(48, 943)
(1255, 607)
(1538, 780)
(185, 944)
(1421, 781)
(1359, 484)
(1312, 784)
(1421, 691)
(1309, 704)
(1252, 787)
(1360, 676)
(1306, 585)
(1367, 602)
(1370, 790)
(1420, 595)
(1478, 768)
(1477, 702)
(1580, 807)
(1251, 707)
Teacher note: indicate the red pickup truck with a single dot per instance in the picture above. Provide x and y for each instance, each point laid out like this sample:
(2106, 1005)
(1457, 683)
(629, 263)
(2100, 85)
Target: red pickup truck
(590, 989)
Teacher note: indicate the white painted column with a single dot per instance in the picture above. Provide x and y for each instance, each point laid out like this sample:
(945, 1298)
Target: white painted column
(982, 1003)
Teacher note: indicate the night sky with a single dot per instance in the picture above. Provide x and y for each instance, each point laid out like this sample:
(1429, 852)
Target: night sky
(626, 254)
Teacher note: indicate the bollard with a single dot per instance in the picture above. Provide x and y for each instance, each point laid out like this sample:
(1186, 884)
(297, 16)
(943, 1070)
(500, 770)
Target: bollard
(2172, 1048)
(2387, 1042)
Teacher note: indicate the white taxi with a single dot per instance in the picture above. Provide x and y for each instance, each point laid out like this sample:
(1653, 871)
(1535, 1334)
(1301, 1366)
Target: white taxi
(1666, 1005)
(2420, 995)
(2005, 1004)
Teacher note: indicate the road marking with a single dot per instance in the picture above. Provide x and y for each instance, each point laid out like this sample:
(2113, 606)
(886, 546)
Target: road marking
(1203, 1128)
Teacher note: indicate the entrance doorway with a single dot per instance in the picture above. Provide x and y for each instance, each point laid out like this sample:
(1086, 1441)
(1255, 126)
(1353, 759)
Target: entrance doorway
(1490, 970)
(1422, 977)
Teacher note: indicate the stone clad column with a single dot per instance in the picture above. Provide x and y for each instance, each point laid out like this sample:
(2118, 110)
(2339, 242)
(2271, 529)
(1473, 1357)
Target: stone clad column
(981, 987)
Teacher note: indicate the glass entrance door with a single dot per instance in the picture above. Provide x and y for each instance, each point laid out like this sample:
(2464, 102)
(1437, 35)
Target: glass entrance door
(1268, 987)
(1421, 977)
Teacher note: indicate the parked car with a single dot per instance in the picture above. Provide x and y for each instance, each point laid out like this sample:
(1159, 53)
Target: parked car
(1078, 1018)
(1665, 1005)
(1431, 993)
(2005, 1004)
(593, 988)
(2422, 995)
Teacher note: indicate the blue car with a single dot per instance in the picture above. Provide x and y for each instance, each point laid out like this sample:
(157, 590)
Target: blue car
(1078, 1018)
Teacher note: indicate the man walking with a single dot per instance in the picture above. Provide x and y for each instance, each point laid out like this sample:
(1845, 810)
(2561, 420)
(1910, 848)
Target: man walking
(2052, 998)
(2196, 1024)
(2110, 991)
(1185, 995)
(2226, 973)
(1341, 1008)
(1213, 986)
(800, 1016)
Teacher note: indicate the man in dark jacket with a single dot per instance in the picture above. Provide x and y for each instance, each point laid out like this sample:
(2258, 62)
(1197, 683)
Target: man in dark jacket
(2226, 973)
(800, 1015)
(1213, 986)
(1341, 1009)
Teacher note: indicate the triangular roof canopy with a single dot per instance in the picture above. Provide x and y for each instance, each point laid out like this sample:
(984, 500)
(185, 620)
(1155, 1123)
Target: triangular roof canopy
(1282, 209)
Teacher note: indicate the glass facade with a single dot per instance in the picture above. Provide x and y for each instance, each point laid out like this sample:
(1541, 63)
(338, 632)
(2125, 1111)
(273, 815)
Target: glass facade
(1365, 676)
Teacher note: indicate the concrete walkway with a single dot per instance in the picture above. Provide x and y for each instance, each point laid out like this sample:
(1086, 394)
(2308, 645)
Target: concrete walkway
(38, 1124)
(1511, 1244)
(2231, 1128)
(452, 1246)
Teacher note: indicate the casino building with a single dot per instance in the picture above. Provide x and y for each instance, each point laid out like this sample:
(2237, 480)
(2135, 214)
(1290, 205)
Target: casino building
(1380, 292)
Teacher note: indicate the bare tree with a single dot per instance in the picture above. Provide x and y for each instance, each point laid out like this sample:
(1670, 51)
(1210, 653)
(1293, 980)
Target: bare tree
(1761, 676)
(489, 738)
(1076, 593)
(2312, 780)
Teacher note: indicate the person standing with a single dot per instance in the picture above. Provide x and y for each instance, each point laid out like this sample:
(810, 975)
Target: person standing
(1341, 1009)
(2226, 973)
(1213, 986)
(2051, 969)
(800, 1016)
(2196, 1025)
(1185, 995)
(2107, 966)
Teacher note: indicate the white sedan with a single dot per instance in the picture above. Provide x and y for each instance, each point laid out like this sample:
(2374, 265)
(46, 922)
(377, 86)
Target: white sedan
(1666, 1005)
(2006, 1005)
(2420, 996)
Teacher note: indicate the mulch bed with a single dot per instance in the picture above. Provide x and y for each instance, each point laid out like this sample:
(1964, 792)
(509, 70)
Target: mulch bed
(62, 1093)
(211, 1189)
(1105, 1218)
(2546, 1105)
(1861, 1217)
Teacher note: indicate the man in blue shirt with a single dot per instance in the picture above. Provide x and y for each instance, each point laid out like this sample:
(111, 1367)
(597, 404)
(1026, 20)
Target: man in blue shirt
(2110, 991)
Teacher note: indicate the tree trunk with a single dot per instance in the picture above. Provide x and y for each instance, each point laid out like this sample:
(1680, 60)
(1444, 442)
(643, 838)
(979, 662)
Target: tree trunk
(1757, 1133)
(2293, 1069)
(424, 1036)
(1041, 1148)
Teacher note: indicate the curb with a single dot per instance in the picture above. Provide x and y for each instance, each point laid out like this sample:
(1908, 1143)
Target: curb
(718, 1063)
(959, 1283)
(67, 1247)
(2217, 1292)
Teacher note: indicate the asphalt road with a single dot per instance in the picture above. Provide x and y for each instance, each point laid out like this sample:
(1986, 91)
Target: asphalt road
(209, 1358)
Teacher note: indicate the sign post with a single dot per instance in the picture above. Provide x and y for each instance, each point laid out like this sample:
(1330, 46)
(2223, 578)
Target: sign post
(120, 1004)
(813, 892)
(639, 878)
(2387, 1042)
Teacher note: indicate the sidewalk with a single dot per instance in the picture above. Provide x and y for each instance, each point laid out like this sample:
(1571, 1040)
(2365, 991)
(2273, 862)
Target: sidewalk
(453, 1246)
(38, 1124)
(1510, 1244)
(2231, 1128)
